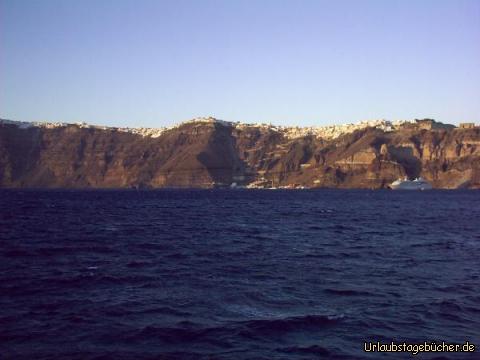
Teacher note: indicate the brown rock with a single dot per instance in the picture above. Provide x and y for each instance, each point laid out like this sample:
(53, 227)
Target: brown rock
(214, 154)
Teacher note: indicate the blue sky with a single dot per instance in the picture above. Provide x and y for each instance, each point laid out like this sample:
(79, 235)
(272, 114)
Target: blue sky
(298, 62)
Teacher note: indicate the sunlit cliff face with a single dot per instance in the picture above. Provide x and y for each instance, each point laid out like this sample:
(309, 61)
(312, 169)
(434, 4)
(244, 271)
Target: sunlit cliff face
(207, 152)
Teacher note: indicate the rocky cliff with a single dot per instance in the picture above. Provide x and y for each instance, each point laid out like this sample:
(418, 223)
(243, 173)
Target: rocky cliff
(212, 153)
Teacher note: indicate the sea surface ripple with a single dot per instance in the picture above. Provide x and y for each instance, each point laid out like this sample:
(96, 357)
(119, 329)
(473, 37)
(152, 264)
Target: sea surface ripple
(203, 274)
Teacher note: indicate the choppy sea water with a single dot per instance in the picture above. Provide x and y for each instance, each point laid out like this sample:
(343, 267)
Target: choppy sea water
(236, 274)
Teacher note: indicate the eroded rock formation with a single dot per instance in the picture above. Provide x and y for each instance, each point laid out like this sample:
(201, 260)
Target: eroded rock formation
(215, 153)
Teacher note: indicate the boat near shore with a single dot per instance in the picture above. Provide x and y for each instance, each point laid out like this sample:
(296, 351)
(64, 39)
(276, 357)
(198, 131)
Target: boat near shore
(416, 184)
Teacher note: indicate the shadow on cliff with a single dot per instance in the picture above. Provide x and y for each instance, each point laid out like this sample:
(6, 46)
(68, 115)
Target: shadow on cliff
(404, 156)
(220, 158)
(19, 152)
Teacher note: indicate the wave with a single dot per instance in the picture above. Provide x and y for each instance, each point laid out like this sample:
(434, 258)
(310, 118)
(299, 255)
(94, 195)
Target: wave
(348, 292)
(189, 332)
(291, 323)
(313, 350)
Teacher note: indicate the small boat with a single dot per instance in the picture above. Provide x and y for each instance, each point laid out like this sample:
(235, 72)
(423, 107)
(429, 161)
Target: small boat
(405, 184)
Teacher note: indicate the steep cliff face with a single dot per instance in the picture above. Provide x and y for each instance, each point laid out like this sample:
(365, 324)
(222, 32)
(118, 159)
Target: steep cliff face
(208, 154)
(192, 156)
(449, 159)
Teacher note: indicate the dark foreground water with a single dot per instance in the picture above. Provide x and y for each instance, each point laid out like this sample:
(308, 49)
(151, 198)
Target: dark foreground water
(236, 274)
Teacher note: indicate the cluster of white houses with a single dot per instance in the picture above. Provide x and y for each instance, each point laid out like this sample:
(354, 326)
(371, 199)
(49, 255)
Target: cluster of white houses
(326, 132)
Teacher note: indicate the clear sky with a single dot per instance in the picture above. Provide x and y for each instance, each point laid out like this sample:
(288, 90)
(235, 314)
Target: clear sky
(292, 62)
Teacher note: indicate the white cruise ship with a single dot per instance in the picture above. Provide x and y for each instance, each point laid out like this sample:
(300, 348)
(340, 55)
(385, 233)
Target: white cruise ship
(405, 184)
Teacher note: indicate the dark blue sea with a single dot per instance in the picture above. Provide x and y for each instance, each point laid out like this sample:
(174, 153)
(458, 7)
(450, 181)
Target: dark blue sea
(218, 274)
